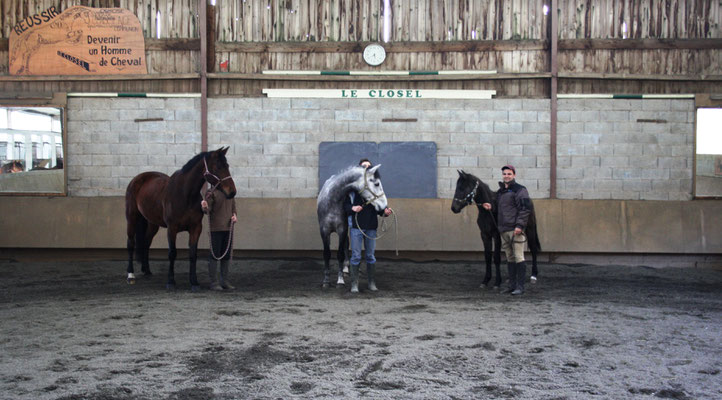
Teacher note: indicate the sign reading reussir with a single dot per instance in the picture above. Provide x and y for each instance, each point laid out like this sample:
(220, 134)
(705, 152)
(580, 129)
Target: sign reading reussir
(78, 41)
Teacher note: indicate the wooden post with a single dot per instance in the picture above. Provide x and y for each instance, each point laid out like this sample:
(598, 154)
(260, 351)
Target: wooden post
(204, 74)
(553, 103)
(211, 38)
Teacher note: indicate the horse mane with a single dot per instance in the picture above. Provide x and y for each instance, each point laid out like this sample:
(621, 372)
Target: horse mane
(482, 185)
(195, 160)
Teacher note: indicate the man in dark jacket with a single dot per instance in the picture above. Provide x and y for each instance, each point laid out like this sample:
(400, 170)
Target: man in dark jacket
(513, 207)
(364, 223)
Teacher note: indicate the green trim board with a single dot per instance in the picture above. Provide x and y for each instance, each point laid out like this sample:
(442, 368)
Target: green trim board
(105, 94)
(624, 96)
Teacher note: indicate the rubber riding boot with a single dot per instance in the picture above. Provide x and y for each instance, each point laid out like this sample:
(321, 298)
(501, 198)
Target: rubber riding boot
(511, 269)
(371, 275)
(213, 275)
(224, 275)
(354, 278)
(520, 278)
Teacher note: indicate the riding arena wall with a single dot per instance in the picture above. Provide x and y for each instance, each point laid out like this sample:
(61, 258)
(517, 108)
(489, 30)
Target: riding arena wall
(613, 176)
(624, 186)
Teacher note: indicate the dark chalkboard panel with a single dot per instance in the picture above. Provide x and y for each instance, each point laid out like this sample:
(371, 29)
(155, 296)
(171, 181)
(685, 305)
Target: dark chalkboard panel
(408, 168)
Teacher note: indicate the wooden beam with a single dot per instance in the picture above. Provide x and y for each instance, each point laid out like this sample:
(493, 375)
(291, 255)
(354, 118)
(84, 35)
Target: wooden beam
(554, 35)
(210, 38)
(413, 47)
(204, 74)
(376, 78)
(135, 77)
(172, 44)
(397, 47)
(638, 77)
(640, 44)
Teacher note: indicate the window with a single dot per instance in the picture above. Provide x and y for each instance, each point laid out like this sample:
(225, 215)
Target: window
(31, 149)
(708, 157)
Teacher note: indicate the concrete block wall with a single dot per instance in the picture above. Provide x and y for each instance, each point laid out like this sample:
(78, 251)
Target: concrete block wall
(107, 147)
(275, 142)
(625, 149)
(607, 149)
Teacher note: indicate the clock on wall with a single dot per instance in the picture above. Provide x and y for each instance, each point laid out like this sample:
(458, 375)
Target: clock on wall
(374, 54)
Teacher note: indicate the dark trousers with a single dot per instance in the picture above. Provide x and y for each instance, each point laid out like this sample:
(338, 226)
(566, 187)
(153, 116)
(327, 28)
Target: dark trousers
(219, 243)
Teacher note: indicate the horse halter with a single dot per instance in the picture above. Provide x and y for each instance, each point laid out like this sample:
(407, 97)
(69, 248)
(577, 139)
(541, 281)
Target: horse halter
(208, 173)
(366, 187)
(469, 197)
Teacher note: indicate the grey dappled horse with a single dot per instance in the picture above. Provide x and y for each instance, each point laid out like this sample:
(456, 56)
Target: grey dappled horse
(331, 216)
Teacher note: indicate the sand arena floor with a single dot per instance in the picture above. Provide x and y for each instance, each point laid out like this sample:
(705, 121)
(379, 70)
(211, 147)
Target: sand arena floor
(76, 330)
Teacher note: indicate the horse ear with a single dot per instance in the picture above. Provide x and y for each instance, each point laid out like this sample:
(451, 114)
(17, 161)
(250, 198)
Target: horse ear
(373, 169)
(224, 150)
(461, 173)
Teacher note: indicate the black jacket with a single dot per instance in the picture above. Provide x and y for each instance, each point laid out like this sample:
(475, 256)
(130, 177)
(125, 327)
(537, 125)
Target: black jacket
(513, 205)
(367, 218)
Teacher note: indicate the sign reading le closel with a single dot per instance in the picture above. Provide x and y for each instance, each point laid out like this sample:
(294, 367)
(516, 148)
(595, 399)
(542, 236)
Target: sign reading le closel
(78, 41)
(380, 93)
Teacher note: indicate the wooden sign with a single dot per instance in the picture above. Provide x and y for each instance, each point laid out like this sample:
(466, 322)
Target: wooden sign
(78, 41)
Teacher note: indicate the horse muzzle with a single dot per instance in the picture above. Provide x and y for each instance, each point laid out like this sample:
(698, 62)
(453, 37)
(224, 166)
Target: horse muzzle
(229, 189)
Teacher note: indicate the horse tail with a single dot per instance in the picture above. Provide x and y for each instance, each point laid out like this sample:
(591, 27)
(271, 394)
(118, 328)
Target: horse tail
(535, 241)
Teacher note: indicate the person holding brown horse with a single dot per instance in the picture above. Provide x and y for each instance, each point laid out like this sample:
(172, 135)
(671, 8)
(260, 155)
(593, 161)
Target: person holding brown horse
(154, 200)
(222, 215)
(514, 207)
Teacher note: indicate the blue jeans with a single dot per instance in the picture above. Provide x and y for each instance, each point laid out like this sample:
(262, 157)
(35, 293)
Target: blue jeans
(357, 238)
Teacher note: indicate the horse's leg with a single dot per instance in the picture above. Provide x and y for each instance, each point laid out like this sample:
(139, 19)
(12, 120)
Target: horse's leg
(326, 237)
(130, 230)
(497, 259)
(342, 246)
(151, 230)
(486, 239)
(193, 235)
(172, 253)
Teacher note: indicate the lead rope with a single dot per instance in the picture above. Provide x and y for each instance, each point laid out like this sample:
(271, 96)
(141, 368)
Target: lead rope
(384, 230)
(229, 246)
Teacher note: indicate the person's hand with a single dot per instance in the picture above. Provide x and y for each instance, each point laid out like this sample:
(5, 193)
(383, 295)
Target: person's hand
(487, 206)
(204, 205)
(387, 212)
(234, 219)
(357, 208)
(517, 231)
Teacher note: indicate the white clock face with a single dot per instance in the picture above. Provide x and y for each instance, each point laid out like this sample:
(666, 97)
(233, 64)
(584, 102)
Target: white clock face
(374, 54)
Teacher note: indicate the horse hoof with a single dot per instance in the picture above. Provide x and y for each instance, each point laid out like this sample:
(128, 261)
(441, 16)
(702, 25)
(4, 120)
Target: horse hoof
(131, 281)
(147, 273)
(170, 286)
(340, 282)
(496, 287)
(532, 279)
(325, 285)
(195, 288)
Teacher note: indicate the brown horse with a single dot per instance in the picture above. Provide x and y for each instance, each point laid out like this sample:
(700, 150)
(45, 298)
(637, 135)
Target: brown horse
(153, 199)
